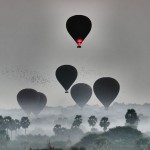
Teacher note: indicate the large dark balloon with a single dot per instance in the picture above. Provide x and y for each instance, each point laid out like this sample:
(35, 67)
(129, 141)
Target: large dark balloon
(106, 90)
(79, 27)
(41, 104)
(27, 99)
(66, 75)
(81, 93)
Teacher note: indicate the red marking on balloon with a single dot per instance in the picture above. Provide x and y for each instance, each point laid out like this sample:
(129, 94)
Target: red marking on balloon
(79, 41)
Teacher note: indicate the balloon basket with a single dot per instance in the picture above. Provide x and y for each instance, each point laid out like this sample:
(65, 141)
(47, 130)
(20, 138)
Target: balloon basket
(78, 46)
(66, 92)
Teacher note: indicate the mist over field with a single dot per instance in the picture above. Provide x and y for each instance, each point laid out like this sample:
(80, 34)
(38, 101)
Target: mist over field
(41, 129)
(45, 121)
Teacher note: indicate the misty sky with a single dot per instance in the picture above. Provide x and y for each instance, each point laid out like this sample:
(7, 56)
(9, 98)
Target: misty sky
(34, 42)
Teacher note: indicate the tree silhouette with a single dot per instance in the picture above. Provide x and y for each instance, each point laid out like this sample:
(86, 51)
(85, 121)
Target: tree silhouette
(7, 121)
(4, 138)
(12, 126)
(18, 125)
(25, 122)
(92, 121)
(132, 118)
(104, 123)
(57, 129)
(77, 121)
(2, 127)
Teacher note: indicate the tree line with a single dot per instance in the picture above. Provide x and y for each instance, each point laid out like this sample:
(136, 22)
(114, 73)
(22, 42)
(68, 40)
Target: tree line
(7, 124)
(10, 125)
(131, 119)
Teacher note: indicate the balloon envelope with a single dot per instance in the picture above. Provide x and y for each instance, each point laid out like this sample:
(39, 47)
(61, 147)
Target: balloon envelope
(81, 93)
(27, 99)
(106, 90)
(41, 104)
(78, 27)
(66, 75)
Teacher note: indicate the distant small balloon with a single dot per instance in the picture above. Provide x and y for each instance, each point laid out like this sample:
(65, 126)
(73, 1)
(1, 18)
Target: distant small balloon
(106, 90)
(81, 93)
(78, 27)
(40, 106)
(27, 99)
(66, 75)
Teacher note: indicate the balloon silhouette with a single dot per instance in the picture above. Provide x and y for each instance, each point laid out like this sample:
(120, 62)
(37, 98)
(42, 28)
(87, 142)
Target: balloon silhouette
(66, 75)
(81, 93)
(27, 99)
(78, 27)
(106, 90)
(40, 105)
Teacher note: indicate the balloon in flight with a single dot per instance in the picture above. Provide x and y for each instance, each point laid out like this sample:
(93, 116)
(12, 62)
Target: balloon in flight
(66, 75)
(106, 90)
(81, 93)
(27, 99)
(79, 27)
(41, 104)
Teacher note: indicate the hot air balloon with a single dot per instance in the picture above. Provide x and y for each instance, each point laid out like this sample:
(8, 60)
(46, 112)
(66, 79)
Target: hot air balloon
(66, 75)
(81, 93)
(78, 27)
(40, 105)
(27, 99)
(106, 90)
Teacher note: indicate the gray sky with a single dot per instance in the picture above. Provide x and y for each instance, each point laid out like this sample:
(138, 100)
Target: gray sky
(34, 42)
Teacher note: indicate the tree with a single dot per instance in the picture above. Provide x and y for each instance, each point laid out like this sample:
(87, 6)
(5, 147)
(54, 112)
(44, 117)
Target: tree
(25, 122)
(2, 127)
(7, 121)
(57, 129)
(4, 138)
(104, 123)
(18, 125)
(132, 118)
(12, 126)
(77, 121)
(92, 121)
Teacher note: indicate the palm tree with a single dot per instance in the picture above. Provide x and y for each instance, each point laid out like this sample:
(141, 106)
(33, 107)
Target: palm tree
(4, 138)
(7, 121)
(2, 123)
(57, 129)
(104, 123)
(92, 121)
(12, 126)
(77, 121)
(132, 118)
(25, 122)
(18, 125)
